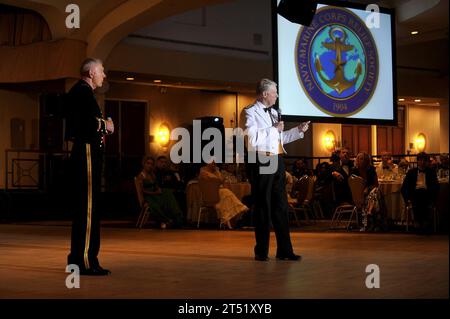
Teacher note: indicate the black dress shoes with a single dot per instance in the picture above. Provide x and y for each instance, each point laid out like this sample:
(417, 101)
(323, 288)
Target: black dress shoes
(293, 257)
(261, 258)
(97, 271)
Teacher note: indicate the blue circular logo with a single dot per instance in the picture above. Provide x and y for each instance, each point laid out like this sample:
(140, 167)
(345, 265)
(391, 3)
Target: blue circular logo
(337, 62)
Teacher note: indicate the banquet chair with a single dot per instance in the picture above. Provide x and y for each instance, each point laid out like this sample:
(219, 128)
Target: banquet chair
(209, 196)
(408, 217)
(301, 200)
(356, 185)
(145, 209)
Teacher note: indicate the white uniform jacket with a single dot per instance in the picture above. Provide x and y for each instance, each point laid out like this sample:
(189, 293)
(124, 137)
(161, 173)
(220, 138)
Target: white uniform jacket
(261, 135)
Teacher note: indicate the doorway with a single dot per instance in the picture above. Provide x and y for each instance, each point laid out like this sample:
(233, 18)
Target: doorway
(125, 148)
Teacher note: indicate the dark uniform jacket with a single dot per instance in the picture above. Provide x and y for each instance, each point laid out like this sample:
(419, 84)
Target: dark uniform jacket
(83, 116)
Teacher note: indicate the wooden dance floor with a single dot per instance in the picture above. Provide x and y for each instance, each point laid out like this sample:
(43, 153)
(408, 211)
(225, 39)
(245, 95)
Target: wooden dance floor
(153, 263)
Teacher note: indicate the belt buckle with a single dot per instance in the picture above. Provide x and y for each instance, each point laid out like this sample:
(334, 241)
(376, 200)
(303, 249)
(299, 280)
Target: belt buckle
(266, 153)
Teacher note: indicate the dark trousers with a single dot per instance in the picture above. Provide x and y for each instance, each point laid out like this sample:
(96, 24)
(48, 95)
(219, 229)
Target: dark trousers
(85, 177)
(270, 199)
(422, 209)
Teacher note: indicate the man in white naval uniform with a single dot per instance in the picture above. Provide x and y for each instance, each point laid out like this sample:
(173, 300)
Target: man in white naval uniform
(265, 137)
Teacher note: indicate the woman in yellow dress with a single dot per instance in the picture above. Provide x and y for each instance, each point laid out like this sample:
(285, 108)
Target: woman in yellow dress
(229, 206)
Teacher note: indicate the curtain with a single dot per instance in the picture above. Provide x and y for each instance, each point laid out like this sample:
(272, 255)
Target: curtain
(20, 27)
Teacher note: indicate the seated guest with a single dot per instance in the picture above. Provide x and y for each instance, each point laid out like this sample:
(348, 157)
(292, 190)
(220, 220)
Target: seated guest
(300, 168)
(290, 180)
(161, 202)
(323, 174)
(334, 158)
(420, 189)
(170, 180)
(444, 161)
(403, 166)
(340, 171)
(386, 168)
(175, 169)
(228, 173)
(434, 163)
(443, 166)
(229, 207)
(373, 211)
(165, 176)
(323, 189)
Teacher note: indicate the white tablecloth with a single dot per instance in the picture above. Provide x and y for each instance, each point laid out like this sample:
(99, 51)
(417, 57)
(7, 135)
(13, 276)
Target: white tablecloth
(393, 198)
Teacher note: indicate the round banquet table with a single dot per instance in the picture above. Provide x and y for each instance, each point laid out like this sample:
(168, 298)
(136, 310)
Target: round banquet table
(393, 198)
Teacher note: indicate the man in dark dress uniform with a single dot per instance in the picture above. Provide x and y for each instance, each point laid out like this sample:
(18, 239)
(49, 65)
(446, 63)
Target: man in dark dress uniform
(86, 128)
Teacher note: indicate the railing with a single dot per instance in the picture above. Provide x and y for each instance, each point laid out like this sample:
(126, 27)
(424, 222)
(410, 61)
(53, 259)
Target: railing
(44, 170)
(411, 158)
(32, 169)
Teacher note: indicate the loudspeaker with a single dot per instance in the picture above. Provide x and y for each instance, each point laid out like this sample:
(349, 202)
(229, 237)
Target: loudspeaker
(212, 122)
(53, 105)
(298, 11)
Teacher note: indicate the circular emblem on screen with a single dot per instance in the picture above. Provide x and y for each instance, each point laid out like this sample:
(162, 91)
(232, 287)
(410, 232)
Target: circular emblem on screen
(337, 61)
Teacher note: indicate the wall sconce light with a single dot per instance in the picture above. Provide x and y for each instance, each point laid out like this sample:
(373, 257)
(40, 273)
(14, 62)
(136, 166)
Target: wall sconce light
(420, 142)
(163, 135)
(329, 141)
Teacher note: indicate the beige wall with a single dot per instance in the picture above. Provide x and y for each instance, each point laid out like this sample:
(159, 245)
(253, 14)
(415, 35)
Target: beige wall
(41, 61)
(16, 105)
(178, 107)
(423, 119)
(244, 101)
(319, 130)
(444, 128)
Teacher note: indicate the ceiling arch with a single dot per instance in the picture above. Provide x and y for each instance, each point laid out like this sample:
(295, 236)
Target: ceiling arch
(133, 15)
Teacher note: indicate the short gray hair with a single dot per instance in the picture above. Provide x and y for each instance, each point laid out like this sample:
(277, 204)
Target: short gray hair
(263, 85)
(88, 64)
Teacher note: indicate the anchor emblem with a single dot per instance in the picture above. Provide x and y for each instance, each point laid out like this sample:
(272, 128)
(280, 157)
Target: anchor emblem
(339, 83)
